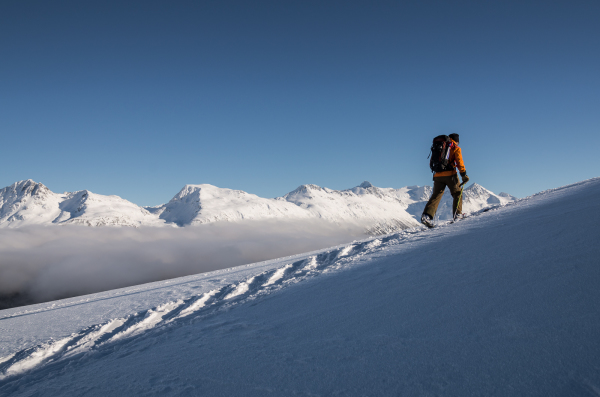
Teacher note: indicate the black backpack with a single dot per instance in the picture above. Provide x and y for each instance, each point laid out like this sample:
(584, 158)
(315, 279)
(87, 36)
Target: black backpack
(440, 154)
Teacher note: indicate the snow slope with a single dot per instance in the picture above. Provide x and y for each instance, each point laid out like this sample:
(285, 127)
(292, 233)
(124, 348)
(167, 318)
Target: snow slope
(379, 210)
(504, 302)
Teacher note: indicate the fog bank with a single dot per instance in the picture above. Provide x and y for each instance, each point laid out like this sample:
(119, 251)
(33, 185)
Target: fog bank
(38, 264)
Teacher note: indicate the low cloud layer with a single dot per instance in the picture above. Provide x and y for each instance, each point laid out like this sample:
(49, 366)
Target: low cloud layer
(38, 264)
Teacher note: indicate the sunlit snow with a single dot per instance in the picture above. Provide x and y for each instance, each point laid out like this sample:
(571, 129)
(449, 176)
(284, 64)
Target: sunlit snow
(503, 302)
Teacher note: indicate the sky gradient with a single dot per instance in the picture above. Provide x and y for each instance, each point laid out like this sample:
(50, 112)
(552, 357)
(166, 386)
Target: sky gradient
(140, 98)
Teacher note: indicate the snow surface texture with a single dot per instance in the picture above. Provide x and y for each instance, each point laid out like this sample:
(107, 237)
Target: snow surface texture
(379, 210)
(504, 302)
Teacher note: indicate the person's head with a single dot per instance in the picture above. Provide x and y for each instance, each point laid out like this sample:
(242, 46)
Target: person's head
(454, 137)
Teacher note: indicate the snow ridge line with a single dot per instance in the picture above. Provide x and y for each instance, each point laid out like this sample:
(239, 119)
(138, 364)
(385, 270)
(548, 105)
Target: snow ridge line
(99, 337)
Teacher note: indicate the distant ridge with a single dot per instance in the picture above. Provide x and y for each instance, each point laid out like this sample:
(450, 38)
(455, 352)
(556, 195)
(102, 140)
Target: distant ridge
(379, 210)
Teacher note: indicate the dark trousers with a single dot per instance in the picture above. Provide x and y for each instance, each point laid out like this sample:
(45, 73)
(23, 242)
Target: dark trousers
(439, 185)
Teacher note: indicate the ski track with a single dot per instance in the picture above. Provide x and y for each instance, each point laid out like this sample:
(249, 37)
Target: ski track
(105, 338)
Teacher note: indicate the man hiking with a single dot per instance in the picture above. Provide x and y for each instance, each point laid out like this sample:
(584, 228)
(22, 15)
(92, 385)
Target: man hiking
(445, 175)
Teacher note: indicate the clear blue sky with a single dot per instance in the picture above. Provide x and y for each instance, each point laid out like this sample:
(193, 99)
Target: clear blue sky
(138, 98)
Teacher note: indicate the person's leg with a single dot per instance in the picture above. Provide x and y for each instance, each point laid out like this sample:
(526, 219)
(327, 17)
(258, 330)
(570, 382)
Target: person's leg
(454, 186)
(436, 197)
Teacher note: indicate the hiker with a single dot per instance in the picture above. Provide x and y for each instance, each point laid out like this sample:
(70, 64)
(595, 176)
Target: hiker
(445, 175)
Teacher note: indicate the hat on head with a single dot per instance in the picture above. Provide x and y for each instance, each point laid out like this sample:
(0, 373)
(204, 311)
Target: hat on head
(454, 137)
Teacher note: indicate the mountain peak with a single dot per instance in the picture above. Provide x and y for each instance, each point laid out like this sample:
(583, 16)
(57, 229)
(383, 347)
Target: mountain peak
(366, 185)
(207, 191)
(190, 189)
(475, 187)
(305, 188)
(25, 183)
(199, 186)
(26, 187)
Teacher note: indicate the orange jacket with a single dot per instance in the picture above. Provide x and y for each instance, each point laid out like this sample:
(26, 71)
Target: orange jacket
(455, 159)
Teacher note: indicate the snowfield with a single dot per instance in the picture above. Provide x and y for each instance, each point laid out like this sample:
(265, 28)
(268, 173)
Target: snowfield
(504, 302)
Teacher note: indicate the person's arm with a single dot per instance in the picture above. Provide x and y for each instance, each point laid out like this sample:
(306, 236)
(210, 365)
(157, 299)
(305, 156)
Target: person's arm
(460, 164)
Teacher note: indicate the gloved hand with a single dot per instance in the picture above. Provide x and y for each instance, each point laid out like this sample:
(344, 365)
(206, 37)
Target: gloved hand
(465, 178)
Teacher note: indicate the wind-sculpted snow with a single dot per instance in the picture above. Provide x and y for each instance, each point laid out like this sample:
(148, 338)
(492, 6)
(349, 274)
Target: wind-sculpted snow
(102, 339)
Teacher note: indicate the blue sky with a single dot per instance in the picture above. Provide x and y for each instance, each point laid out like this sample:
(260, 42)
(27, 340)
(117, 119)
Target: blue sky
(140, 98)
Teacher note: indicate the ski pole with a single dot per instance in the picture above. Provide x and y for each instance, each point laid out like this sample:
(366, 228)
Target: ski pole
(462, 186)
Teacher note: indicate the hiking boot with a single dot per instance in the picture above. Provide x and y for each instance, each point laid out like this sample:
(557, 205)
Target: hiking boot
(459, 216)
(427, 220)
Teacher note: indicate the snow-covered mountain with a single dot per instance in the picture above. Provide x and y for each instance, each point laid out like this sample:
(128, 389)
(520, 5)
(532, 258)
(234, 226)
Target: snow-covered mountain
(28, 203)
(198, 204)
(385, 212)
(379, 210)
